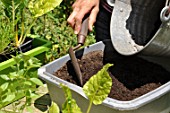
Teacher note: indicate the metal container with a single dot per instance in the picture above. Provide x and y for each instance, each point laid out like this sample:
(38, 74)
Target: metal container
(156, 101)
(136, 27)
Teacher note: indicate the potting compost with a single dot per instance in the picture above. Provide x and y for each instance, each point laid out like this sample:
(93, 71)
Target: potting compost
(131, 76)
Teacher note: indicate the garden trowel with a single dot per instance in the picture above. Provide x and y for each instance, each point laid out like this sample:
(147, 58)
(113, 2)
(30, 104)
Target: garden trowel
(80, 40)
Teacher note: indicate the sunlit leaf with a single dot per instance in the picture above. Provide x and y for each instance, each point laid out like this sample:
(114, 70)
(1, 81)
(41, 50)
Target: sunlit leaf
(40, 7)
(99, 85)
(70, 105)
(21, 72)
(34, 95)
(54, 108)
(13, 75)
(13, 67)
(4, 86)
(9, 97)
(31, 94)
(36, 81)
(28, 83)
(5, 77)
(17, 58)
(25, 57)
(34, 62)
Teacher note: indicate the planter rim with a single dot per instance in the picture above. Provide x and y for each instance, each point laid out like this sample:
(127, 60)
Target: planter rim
(110, 102)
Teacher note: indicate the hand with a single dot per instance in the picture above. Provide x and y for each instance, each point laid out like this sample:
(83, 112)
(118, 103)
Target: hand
(80, 9)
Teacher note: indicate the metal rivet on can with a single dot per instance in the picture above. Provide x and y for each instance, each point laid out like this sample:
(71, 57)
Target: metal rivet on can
(121, 10)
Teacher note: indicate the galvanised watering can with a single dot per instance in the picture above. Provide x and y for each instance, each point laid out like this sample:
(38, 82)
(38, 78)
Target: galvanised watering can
(141, 27)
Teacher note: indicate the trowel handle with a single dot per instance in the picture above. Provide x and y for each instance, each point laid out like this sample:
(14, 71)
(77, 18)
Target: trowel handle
(83, 31)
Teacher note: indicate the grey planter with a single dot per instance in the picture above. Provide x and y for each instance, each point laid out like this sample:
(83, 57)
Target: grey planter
(156, 101)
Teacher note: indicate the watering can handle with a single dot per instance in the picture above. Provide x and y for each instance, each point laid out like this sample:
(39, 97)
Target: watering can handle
(165, 13)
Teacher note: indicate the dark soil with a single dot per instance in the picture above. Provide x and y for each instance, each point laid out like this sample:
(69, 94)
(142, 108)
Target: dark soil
(131, 76)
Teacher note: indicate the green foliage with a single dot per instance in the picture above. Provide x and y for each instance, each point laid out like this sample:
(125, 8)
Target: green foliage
(22, 81)
(5, 34)
(54, 27)
(62, 37)
(8, 3)
(40, 7)
(23, 15)
(99, 86)
(70, 105)
(54, 108)
(96, 89)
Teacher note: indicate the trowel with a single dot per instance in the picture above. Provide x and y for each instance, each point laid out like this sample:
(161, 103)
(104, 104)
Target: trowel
(81, 37)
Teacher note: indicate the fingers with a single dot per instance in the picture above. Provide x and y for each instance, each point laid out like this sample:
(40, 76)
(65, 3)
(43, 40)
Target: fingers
(78, 20)
(71, 19)
(92, 18)
(76, 7)
(75, 19)
(80, 9)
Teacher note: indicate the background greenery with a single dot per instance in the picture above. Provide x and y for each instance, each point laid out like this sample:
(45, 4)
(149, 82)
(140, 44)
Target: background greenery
(54, 27)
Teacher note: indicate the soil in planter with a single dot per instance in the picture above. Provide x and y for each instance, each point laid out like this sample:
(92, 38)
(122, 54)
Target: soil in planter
(131, 76)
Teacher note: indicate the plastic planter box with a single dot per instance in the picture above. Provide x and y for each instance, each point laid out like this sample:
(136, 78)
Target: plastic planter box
(156, 101)
(40, 46)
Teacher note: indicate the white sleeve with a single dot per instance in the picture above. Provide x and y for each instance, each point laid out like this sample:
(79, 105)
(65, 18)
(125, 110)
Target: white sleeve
(111, 2)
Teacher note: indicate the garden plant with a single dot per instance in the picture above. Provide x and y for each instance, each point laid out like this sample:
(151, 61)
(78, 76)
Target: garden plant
(21, 15)
(23, 80)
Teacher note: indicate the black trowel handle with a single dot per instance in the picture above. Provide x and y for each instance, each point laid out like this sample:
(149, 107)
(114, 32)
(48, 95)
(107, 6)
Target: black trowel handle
(83, 31)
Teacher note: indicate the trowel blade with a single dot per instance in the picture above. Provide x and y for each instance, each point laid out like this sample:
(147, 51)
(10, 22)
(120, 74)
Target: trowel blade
(76, 65)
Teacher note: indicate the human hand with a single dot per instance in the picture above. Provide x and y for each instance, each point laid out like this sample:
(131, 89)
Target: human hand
(80, 9)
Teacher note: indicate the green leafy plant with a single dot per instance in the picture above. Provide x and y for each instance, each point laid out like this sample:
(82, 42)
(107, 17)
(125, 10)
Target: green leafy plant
(23, 15)
(54, 108)
(70, 104)
(96, 89)
(22, 81)
(6, 36)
